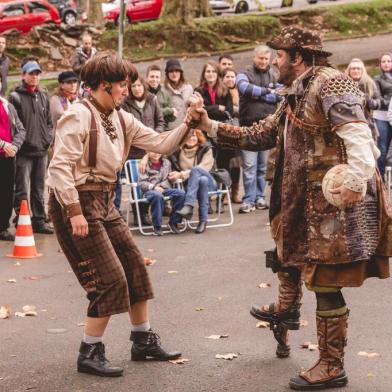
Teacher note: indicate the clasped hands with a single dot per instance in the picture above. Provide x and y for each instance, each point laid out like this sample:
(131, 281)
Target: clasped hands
(9, 149)
(196, 115)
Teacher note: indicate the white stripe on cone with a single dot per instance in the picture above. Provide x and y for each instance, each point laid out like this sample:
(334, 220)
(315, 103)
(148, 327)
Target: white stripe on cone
(24, 241)
(24, 220)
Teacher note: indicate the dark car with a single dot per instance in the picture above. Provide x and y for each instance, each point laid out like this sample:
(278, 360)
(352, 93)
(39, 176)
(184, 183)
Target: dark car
(67, 10)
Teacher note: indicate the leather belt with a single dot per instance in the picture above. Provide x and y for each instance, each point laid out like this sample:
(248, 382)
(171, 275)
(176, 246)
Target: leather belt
(96, 186)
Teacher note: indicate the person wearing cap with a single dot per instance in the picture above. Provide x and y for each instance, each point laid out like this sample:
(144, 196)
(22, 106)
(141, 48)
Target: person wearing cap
(32, 105)
(319, 124)
(12, 134)
(64, 95)
(178, 91)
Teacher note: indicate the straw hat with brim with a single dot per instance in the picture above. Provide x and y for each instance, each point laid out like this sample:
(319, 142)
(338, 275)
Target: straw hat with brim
(298, 38)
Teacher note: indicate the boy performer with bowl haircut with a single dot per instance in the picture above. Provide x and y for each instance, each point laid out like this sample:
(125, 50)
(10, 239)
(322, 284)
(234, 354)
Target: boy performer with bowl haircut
(93, 139)
(320, 124)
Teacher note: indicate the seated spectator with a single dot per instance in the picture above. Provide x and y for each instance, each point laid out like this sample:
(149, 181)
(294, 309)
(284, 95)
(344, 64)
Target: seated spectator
(12, 135)
(154, 184)
(178, 90)
(145, 107)
(153, 79)
(356, 70)
(192, 163)
(225, 61)
(64, 95)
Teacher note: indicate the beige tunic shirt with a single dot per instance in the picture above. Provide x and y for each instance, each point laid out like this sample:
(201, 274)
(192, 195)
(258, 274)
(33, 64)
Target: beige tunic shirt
(69, 165)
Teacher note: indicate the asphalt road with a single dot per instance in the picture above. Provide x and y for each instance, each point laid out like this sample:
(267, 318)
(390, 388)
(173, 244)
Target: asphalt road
(219, 272)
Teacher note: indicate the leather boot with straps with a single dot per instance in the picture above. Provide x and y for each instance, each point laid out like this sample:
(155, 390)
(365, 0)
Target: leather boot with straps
(284, 315)
(329, 370)
(147, 345)
(92, 360)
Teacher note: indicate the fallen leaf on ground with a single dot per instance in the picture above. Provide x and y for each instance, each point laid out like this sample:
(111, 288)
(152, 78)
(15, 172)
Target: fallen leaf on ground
(220, 298)
(56, 330)
(59, 250)
(264, 285)
(150, 250)
(148, 261)
(81, 324)
(44, 310)
(20, 314)
(228, 356)
(215, 337)
(310, 346)
(37, 277)
(199, 309)
(179, 361)
(30, 310)
(303, 323)
(12, 280)
(5, 312)
(17, 264)
(262, 324)
(368, 355)
(370, 374)
(13, 355)
(172, 272)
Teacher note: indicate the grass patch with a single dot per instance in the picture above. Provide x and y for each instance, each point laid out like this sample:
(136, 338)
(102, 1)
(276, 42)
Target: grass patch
(166, 37)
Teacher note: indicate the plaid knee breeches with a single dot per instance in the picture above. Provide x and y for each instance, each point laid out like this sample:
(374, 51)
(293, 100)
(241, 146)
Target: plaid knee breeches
(107, 262)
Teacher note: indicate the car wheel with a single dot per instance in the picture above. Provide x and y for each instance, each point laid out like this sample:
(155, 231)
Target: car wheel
(69, 18)
(312, 1)
(241, 7)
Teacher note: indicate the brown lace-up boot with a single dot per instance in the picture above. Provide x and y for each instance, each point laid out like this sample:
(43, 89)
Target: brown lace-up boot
(328, 371)
(284, 314)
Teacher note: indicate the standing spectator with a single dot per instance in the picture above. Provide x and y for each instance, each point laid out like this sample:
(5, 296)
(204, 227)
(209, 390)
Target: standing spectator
(32, 104)
(155, 185)
(12, 134)
(384, 84)
(192, 163)
(228, 77)
(356, 70)
(256, 87)
(178, 90)
(4, 66)
(219, 105)
(84, 53)
(64, 95)
(225, 61)
(145, 107)
(154, 77)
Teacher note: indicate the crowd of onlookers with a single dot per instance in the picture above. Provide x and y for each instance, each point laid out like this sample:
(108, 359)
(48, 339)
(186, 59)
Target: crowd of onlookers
(159, 99)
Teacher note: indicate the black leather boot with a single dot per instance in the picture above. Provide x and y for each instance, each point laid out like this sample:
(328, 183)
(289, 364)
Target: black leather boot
(201, 227)
(92, 360)
(186, 212)
(147, 345)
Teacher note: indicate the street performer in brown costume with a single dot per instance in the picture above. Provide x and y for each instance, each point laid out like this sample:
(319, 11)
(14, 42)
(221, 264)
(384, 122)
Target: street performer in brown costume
(320, 124)
(92, 142)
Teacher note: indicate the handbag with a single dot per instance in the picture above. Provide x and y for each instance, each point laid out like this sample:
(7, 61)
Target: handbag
(221, 176)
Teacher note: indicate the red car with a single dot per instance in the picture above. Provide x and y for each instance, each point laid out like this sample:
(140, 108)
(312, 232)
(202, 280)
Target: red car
(136, 11)
(23, 15)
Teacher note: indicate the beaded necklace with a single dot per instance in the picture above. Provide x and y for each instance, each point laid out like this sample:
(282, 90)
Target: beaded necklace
(106, 122)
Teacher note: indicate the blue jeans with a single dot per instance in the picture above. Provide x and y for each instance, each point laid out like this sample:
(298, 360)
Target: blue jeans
(200, 182)
(157, 203)
(254, 166)
(385, 130)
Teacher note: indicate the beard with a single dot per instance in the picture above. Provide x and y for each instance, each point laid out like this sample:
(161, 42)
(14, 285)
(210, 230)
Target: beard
(286, 74)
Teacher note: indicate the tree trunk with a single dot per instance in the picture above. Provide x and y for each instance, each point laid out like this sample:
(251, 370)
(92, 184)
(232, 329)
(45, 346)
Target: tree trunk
(95, 14)
(186, 10)
(287, 3)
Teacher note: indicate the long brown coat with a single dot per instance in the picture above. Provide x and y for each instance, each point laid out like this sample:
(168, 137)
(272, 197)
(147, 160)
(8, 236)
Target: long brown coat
(314, 231)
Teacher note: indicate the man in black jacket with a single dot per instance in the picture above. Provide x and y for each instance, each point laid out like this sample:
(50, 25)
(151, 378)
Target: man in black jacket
(32, 105)
(256, 87)
(12, 135)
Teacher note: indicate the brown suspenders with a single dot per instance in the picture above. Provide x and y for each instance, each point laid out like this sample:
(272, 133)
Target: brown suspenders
(93, 135)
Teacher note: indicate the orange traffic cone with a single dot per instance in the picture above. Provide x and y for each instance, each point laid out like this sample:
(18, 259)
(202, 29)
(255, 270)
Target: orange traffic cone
(24, 246)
